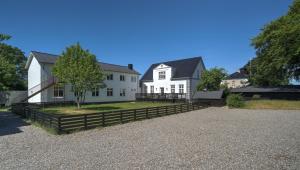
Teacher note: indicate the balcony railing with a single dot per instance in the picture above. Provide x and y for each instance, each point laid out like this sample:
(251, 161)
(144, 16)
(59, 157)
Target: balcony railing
(160, 95)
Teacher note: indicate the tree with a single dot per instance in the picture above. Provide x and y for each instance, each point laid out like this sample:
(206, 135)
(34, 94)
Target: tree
(12, 63)
(211, 79)
(278, 50)
(79, 68)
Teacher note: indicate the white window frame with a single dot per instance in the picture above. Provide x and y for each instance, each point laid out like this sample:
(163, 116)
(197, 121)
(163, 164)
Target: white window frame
(181, 88)
(109, 92)
(161, 75)
(122, 78)
(123, 92)
(58, 91)
(172, 88)
(110, 77)
(151, 89)
(95, 92)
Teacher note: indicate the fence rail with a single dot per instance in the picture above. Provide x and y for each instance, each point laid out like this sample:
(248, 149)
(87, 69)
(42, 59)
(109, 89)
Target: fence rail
(68, 123)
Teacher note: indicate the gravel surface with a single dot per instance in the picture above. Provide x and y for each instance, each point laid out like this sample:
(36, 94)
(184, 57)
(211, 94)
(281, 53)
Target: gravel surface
(212, 138)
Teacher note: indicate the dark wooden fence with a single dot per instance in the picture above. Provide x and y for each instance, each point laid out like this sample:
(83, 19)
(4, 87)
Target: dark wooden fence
(161, 97)
(69, 123)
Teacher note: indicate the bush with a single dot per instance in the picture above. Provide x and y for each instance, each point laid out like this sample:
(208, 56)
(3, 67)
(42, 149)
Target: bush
(235, 101)
(256, 96)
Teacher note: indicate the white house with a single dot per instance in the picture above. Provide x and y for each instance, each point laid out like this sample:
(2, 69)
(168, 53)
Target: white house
(121, 82)
(236, 80)
(179, 77)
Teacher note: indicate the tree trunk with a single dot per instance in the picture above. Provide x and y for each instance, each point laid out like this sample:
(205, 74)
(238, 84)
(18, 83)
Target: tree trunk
(78, 102)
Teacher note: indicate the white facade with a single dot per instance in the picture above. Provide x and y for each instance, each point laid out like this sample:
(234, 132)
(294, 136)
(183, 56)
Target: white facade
(41, 72)
(169, 84)
(34, 79)
(235, 83)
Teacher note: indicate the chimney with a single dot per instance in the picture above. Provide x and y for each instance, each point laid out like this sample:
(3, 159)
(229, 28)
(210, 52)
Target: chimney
(130, 66)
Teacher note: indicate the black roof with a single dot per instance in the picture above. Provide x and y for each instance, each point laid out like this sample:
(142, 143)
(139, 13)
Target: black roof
(184, 68)
(209, 94)
(278, 89)
(51, 58)
(237, 75)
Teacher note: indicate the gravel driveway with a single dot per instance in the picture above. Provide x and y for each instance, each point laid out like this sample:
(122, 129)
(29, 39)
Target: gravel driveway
(212, 138)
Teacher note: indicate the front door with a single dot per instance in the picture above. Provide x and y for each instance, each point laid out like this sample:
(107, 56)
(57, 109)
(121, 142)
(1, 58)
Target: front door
(162, 90)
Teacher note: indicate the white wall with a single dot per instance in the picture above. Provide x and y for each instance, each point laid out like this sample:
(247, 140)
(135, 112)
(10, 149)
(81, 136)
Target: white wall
(165, 83)
(235, 83)
(116, 84)
(34, 79)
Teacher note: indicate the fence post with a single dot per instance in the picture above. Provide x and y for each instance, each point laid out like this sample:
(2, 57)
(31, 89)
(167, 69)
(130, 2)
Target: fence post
(181, 108)
(85, 121)
(59, 124)
(147, 116)
(175, 109)
(166, 110)
(34, 115)
(121, 116)
(103, 119)
(134, 114)
(157, 111)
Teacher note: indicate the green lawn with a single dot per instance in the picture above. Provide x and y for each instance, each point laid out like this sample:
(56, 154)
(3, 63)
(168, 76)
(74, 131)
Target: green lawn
(96, 108)
(272, 104)
(3, 109)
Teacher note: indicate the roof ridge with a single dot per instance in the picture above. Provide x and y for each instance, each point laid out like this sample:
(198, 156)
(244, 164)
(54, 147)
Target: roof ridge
(200, 57)
(112, 64)
(45, 53)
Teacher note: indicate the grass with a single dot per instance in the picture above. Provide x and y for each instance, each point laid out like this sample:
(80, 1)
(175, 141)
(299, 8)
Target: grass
(3, 109)
(96, 108)
(273, 104)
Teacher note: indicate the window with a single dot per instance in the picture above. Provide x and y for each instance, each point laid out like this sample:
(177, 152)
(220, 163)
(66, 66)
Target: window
(110, 77)
(109, 91)
(122, 92)
(95, 91)
(122, 78)
(172, 88)
(133, 78)
(151, 89)
(58, 91)
(161, 75)
(181, 88)
(76, 93)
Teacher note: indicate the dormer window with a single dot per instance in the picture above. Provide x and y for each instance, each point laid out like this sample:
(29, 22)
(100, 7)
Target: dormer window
(161, 75)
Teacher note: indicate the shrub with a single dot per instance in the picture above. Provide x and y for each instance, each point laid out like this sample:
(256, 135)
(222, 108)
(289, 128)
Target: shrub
(256, 96)
(235, 101)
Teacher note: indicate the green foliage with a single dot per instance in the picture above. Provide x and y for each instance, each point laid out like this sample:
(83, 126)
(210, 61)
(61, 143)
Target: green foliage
(235, 101)
(4, 37)
(278, 51)
(12, 66)
(79, 68)
(211, 79)
(256, 96)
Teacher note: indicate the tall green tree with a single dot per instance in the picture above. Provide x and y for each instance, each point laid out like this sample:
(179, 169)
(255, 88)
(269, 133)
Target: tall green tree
(79, 68)
(278, 50)
(211, 79)
(12, 63)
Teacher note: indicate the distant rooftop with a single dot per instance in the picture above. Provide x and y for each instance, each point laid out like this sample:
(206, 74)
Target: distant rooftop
(51, 58)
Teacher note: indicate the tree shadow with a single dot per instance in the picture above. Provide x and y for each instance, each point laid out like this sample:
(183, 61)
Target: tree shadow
(10, 123)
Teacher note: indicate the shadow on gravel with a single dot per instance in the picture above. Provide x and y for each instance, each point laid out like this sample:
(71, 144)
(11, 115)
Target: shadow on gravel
(10, 123)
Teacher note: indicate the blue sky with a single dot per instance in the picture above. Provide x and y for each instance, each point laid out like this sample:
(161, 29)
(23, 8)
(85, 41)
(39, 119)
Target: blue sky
(142, 32)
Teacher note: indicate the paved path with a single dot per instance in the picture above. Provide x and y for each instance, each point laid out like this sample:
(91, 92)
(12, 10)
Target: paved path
(212, 138)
